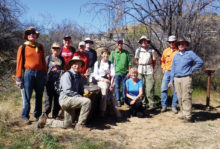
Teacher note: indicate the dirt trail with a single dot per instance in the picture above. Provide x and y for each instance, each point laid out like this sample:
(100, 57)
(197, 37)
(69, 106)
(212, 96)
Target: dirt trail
(161, 130)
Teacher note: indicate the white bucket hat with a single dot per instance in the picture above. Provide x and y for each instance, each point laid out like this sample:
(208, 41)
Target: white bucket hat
(172, 38)
(88, 40)
(142, 38)
(76, 59)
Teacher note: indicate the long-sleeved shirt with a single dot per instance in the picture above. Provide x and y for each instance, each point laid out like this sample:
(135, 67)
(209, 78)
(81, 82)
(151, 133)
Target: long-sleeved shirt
(167, 58)
(92, 57)
(85, 57)
(71, 85)
(34, 60)
(185, 63)
(103, 70)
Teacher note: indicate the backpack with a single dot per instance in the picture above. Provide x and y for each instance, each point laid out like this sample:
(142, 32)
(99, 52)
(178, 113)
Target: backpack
(23, 55)
(57, 86)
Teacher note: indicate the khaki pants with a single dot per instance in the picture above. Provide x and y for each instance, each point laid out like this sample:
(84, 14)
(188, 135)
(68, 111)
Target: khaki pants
(148, 89)
(105, 96)
(69, 105)
(183, 87)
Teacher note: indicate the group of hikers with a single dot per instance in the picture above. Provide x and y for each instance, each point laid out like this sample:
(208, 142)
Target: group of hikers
(64, 73)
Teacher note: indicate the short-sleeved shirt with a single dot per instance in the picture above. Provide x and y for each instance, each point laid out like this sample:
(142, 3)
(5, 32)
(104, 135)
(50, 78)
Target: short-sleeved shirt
(67, 54)
(121, 61)
(85, 57)
(167, 58)
(145, 60)
(132, 89)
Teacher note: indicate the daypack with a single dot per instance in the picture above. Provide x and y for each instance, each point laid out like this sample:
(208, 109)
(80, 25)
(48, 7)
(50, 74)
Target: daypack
(57, 86)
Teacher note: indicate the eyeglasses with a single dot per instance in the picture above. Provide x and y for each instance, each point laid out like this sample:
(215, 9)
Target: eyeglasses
(170, 42)
(30, 32)
(56, 48)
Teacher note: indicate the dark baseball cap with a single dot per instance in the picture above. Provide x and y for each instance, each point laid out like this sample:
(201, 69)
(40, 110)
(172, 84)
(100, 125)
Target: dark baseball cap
(67, 37)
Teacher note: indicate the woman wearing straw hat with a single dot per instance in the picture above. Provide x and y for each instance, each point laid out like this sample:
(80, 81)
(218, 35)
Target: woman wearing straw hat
(31, 60)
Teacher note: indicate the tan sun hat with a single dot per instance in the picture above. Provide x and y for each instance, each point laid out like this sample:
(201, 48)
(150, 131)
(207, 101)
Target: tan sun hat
(30, 29)
(82, 43)
(182, 39)
(55, 45)
(88, 40)
(143, 38)
(76, 59)
(171, 38)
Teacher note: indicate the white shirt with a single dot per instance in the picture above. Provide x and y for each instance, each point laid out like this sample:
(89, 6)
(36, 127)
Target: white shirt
(103, 69)
(145, 60)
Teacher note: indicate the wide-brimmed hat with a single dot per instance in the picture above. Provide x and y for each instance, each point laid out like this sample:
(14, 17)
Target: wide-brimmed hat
(67, 37)
(88, 40)
(76, 59)
(172, 38)
(30, 29)
(182, 39)
(143, 38)
(82, 43)
(55, 45)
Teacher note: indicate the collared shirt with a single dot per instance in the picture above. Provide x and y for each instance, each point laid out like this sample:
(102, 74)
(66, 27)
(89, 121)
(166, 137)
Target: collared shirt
(121, 60)
(145, 60)
(103, 70)
(167, 58)
(71, 86)
(85, 57)
(185, 63)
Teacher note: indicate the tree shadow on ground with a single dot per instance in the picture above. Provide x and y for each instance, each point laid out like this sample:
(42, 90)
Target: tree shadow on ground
(205, 114)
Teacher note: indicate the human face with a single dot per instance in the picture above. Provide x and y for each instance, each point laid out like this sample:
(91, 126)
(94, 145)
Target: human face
(134, 75)
(55, 50)
(66, 42)
(119, 45)
(182, 46)
(172, 44)
(76, 66)
(81, 48)
(105, 56)
(31, 36)
(144, 43)
(88, 45)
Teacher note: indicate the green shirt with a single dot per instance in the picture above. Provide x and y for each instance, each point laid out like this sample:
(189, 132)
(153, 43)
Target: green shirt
(121, 60)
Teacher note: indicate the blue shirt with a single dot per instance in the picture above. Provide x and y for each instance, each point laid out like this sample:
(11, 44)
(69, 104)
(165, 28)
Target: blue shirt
(185, 63)
(92, 57)
(132, 89)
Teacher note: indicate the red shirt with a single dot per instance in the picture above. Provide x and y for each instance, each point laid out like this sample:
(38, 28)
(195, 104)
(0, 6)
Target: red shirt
(85, 57)
(67, 55)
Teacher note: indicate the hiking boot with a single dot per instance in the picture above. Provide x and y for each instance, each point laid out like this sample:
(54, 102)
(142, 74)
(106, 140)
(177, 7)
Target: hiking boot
(174, 110)
(42, 120)
(140, 114)
(26, 122)
(164, 109)
(80, 127)
(187, 120)
(119, 103)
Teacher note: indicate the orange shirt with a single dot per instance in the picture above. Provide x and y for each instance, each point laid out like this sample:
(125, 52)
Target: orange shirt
(33, 60)
(167, 58)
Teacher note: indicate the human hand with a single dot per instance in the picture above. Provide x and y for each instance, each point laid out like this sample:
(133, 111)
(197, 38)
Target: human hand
(128, 75)
(111, 88)
(19, 84)
(170, 84)
(132, 102)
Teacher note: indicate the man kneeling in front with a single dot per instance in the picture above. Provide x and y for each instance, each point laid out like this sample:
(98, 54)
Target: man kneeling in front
(71, 97)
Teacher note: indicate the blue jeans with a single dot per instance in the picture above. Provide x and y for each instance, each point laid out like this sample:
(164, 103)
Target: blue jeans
(33, 79)
(118, 80)
(164, 89)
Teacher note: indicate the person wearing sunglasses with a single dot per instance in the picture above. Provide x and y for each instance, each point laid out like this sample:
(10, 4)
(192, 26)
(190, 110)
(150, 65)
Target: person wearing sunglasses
(166, 63)
(185, 62)
(31, 72)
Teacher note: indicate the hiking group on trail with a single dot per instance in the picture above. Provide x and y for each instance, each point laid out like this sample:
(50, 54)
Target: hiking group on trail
(65, 72)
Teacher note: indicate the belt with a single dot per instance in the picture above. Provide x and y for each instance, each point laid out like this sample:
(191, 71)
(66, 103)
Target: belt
(183, 76)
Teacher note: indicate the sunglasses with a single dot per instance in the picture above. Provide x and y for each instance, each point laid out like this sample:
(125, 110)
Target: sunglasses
(30, 32)
(56, 48)
(171, 42)
(67, 39)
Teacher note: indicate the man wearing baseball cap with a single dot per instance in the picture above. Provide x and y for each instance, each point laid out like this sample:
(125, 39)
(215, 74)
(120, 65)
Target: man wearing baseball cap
(166, 63)
(122, 62)
(67, 51)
